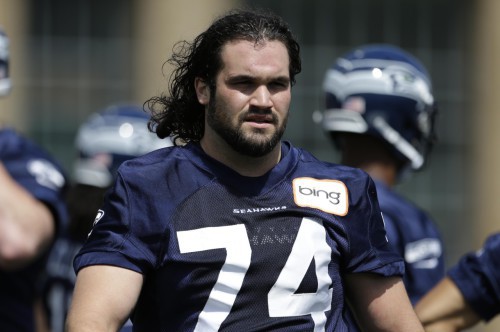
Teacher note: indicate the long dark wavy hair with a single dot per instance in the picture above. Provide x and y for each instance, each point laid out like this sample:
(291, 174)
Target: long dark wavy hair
(178, 113)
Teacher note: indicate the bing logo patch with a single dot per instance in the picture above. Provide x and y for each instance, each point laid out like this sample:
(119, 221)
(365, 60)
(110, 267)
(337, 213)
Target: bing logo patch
(326, 195)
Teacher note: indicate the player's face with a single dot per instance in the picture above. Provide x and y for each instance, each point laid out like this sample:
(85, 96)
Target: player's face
(249, 108)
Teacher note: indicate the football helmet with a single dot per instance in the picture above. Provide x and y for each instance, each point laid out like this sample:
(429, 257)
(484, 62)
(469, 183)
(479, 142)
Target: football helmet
(110, 137)
(383, 91)
(5, 83)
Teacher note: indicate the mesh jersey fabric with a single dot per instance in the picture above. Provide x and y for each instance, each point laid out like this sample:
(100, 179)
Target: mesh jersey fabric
(222, 252)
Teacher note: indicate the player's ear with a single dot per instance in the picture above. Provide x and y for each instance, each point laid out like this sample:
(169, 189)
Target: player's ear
(202, 91)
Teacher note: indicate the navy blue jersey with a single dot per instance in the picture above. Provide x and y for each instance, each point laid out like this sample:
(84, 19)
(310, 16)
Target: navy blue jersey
(32, 168)
(477, 275)
(224, 252)
(415, 236)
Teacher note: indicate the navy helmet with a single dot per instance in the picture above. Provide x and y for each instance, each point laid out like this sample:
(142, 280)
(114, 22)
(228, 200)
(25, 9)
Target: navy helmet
(110, 137)
(5, 83)
(383, 91)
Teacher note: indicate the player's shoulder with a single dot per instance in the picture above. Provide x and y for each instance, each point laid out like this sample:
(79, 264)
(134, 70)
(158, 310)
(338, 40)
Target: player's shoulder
(23, 157)
(157, 165)
(13, 142)
(391, 199)
(399, 207)
(159, 156)
(326, 169)
(492, 243)
(357, 183)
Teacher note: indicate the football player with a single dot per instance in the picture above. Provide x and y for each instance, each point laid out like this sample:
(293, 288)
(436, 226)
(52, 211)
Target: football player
(380, 114)
(105, 140)
(32, 213)
(237, 230)
(470, 292)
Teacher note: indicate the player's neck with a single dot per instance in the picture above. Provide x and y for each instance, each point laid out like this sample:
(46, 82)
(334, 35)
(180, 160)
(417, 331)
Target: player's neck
(386, 173)
(382, 169)
(240, 163)
(371, 155)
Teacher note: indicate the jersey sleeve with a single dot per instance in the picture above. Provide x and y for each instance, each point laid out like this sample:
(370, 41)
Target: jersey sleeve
(36, 171)
(368, 248)
(477, 276)
(46, 182)
(120, 236)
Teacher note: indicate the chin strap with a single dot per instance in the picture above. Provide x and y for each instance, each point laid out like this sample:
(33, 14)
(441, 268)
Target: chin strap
(403, 146)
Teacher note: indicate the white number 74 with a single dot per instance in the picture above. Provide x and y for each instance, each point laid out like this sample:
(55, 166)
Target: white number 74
(282, 300)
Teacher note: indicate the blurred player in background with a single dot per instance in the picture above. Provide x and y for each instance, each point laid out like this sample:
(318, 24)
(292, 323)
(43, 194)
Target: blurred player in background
(32, 212)
(237, 230)
(470, 292)
(105, 140)
(380, 115)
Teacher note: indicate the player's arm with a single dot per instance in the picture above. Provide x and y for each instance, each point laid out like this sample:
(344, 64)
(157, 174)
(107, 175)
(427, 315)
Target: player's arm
(103, 298)
(381, 303)
(444, 309)
(27, 225)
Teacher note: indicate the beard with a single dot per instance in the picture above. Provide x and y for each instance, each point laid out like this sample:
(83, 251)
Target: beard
(252, 144)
